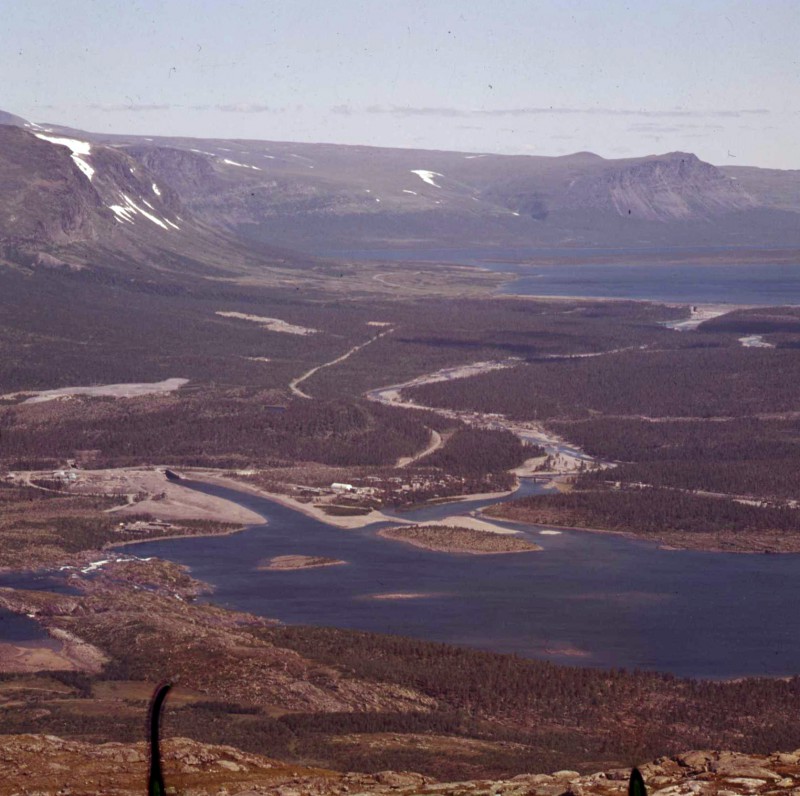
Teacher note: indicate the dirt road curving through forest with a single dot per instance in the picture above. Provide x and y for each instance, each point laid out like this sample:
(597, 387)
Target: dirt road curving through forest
(294, 384)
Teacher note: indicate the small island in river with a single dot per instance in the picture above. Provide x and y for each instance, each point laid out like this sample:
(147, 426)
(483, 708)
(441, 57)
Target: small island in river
(292, 562)
(454, 539)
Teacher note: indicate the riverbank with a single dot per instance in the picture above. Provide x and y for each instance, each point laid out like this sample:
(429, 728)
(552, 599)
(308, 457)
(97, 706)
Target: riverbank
(62, 652)
(148, 491)
(26, 657)
(145, 490)
(761, 542)
(562, 458)
(70, 519)
(228, 481)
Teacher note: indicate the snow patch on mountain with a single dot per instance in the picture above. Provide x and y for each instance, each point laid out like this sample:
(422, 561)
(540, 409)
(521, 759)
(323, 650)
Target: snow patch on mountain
(241, 165)
(78, 148)
(126, 211)
(427, 176)
(122, 213)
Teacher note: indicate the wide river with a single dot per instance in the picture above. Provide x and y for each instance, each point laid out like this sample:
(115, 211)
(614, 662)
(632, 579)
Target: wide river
(588, 599)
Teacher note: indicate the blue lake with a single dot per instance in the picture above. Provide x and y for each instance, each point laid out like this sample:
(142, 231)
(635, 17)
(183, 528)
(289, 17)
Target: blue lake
(741, 283)
(760, 284)
(586, 599)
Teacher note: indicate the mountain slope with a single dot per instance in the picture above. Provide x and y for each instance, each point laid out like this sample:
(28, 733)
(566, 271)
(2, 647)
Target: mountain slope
(774, 188)
(323, 197)
(326, 198)
(65, 200)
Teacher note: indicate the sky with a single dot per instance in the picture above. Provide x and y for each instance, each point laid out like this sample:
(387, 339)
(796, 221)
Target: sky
(621, 79)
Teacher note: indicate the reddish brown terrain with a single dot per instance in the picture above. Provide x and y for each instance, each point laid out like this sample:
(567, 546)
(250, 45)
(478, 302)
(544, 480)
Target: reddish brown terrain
(51, 766)
(154, 329)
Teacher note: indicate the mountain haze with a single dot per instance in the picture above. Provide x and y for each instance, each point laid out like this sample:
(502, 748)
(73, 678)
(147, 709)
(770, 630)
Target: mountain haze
(216, 201)
(326, 197)
(323, 197)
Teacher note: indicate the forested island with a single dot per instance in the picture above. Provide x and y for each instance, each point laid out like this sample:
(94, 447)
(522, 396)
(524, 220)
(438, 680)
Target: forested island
(453, 539)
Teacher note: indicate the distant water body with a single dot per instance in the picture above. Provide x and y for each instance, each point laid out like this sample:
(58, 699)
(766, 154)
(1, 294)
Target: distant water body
(19, 628)
(587, 599)
(765, 284)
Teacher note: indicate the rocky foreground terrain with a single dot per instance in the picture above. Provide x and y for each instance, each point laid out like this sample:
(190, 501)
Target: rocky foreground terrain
(46, 764)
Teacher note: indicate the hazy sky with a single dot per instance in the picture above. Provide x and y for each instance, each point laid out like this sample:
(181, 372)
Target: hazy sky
(721, 79)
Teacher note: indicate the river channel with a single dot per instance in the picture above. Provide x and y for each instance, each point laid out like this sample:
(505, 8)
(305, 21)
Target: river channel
(588, 599)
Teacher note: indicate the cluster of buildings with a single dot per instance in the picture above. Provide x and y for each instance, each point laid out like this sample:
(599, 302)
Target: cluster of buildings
(374, 491)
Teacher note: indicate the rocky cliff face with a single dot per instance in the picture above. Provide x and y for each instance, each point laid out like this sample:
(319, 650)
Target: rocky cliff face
(57, 193)
(670, 187)
(189, 173)
(50, 766)
(44, 197)
(58, 190)
(67, 199)
(68, 202)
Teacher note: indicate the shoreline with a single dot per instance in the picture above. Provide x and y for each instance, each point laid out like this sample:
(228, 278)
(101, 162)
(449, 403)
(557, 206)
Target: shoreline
(412, 596)
(344, 522)
(172, 536)
(667, 545)
(561, 298)
(165, 500)
(221, 478)
(224, 510)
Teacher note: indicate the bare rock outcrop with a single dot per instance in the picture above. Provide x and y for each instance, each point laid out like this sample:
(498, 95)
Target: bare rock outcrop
(48, 765)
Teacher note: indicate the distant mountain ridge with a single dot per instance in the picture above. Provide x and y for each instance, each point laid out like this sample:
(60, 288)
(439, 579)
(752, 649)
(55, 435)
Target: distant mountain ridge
(326, 197)
(674, 186)
(12, 119)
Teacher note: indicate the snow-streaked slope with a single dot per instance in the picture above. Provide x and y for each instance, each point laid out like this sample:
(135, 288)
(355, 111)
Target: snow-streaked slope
(128, 210)
(229, 162)
(79, 149)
